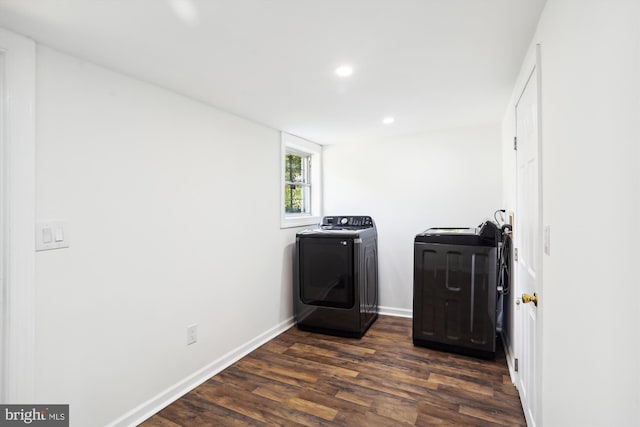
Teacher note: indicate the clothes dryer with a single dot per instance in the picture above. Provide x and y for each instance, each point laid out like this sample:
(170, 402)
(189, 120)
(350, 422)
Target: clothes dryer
(336, 276)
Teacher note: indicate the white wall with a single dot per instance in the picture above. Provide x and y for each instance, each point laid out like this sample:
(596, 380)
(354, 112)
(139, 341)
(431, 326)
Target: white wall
(590, 138)
(173, 209)
(448, 178)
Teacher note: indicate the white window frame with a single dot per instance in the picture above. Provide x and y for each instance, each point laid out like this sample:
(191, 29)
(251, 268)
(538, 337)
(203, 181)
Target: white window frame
(296, 145)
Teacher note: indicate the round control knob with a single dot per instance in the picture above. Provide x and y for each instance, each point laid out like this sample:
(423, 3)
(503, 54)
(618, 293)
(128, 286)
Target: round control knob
(344, 221)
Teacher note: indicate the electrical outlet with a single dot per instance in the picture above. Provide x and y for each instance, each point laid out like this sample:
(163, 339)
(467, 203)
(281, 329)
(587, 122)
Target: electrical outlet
(192, 334)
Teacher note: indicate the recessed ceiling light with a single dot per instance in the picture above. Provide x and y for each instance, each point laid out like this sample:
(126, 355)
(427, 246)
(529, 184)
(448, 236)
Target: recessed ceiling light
(344, 71)
(185, 10)
(388, 120)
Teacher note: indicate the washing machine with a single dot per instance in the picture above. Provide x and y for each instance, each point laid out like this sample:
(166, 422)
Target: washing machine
(454, 290)
(336, 276)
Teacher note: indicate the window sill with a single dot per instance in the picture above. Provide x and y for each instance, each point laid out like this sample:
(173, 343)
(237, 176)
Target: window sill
(299, 221)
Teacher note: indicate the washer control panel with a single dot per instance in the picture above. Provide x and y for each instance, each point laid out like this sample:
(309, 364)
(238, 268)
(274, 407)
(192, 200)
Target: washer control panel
(347, 222)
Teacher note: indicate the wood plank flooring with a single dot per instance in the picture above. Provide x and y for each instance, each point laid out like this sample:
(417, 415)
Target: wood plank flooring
(301, 378)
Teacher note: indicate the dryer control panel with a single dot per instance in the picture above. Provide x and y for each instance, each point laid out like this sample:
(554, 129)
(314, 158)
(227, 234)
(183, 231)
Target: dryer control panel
(349, 222)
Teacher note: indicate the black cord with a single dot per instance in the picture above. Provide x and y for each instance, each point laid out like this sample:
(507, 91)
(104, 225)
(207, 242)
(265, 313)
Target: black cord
(504, 253)
(504, 263)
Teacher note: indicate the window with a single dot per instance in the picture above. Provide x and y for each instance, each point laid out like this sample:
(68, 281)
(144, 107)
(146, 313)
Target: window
(297, 187)
(301, 182)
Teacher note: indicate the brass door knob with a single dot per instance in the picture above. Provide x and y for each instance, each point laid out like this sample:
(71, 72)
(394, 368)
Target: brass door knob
(526, 298)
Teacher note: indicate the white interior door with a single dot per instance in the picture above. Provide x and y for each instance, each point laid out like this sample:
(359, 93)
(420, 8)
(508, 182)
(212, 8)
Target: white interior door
(527, 235)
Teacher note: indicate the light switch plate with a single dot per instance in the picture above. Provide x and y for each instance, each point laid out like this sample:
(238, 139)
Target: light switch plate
(547, 239)
(52, 235)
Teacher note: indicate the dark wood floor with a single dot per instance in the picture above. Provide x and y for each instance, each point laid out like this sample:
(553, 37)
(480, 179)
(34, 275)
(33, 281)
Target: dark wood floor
(300, 378)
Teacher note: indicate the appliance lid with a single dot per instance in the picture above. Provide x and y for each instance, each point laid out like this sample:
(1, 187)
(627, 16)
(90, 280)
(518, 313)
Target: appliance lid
(452, 230)
(344, 226)
(455, 236)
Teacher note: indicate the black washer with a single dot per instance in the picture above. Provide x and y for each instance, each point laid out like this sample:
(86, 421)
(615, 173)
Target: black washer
(454, 290)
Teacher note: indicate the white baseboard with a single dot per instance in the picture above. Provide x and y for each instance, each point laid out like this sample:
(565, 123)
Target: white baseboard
(508, 352)
(397, 312)
(173, 393)
(170, 395)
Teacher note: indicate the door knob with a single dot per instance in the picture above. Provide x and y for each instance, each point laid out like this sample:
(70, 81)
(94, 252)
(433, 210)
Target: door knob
(526, 298)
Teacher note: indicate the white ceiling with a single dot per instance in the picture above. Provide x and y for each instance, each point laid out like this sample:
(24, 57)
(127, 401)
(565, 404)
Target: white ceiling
(432, 64)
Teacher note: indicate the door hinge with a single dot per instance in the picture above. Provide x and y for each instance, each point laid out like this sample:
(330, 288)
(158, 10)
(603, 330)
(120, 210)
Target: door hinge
(515, 364)
(515, 143)
(515, 254)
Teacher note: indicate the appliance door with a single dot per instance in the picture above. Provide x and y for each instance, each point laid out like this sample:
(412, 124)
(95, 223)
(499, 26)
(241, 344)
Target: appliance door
(326, 272)
(369, 278)
(454, 296)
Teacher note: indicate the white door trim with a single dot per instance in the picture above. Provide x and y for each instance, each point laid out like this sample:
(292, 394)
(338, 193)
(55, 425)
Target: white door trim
(17, 270)
(531, 70)
(539, 267)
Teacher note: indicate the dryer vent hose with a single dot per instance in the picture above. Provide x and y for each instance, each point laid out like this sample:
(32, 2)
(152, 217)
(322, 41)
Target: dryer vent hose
(504, 261)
